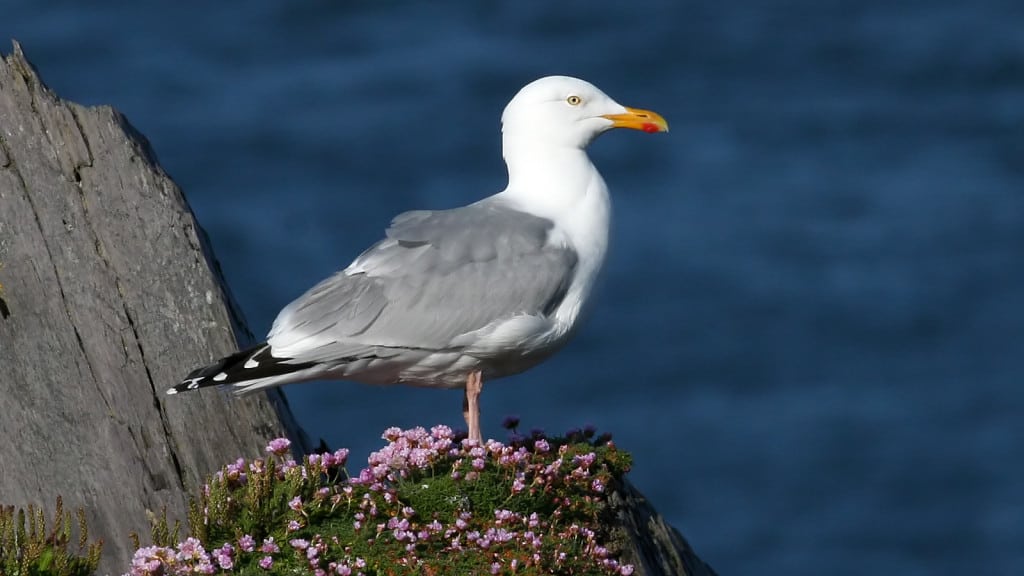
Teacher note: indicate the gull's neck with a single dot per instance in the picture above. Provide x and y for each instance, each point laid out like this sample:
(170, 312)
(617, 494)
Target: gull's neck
(555, 182)
(562, 185)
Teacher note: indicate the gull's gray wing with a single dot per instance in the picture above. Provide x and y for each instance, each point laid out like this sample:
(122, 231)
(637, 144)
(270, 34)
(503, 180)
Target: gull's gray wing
(436, 276)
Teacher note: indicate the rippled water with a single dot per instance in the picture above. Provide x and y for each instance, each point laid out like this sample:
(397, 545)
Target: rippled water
(811, 328)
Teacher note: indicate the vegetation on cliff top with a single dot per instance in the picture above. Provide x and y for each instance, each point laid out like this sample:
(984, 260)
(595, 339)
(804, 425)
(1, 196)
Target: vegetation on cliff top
(429, 502)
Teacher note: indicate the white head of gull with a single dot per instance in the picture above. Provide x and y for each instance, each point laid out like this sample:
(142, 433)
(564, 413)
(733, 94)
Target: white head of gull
(450, 298)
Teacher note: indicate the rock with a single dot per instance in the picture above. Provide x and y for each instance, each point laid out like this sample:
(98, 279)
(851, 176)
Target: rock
(651, 545)
(110, 296)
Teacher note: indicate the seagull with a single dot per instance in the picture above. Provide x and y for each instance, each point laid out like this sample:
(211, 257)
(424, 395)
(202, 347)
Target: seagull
(450, 298)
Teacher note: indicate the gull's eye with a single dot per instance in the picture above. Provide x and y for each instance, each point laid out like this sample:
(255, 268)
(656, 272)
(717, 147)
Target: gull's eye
(574, 100)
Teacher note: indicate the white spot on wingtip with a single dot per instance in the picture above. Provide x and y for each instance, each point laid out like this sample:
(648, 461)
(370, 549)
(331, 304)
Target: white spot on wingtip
(251, 363)
(189, 384)
(220, 377)
(172, 391)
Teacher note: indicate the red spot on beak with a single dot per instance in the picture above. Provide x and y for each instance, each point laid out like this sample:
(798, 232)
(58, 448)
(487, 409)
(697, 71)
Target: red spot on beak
(650, 128)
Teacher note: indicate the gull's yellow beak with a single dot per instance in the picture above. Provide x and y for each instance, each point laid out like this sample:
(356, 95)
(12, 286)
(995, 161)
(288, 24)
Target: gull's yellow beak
(637, 119)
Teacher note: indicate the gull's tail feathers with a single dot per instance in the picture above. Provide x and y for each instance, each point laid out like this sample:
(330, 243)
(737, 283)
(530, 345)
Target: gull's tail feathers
(252, 369)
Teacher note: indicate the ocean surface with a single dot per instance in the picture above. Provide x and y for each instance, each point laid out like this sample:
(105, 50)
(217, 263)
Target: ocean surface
(810, 330)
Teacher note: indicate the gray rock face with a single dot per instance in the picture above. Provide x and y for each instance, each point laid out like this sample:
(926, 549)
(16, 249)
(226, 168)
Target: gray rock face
(109, 297)
(650, 544)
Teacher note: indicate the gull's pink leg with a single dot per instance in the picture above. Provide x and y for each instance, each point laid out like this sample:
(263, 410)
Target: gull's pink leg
(471, 406)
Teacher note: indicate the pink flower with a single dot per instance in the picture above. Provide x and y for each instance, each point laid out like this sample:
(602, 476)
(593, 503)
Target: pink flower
(504, 515)
(279, 446)
(518, 485)
(269, 546)
(315, 460)
(234, 472)
(340, 457)
(225, 556)
(246, 543)
(441, 432)
(266, 562)
(191, 549)
(288, 466)
(151, 560)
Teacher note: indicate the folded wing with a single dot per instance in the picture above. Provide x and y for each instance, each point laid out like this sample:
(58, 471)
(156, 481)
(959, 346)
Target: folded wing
(438, 275)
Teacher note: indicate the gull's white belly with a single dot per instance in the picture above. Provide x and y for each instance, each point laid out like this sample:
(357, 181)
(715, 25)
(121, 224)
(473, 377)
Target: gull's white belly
(497, 350)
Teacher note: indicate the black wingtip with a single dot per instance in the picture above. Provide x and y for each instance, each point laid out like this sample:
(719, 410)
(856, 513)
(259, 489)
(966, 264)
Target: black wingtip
(250, 364)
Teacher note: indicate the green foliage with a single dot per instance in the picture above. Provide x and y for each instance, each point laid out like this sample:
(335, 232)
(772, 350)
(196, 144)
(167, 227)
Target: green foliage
(28, 548)
(514, 508)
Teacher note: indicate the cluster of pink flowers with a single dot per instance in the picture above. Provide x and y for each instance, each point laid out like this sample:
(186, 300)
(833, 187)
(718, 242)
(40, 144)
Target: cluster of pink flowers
(189, 557)
(314, 551)
(571, 482)
(514, 541)
(407, 451)
(237, 473)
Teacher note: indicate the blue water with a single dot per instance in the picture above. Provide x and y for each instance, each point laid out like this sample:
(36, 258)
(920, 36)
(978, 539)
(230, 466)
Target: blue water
(811, 328)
